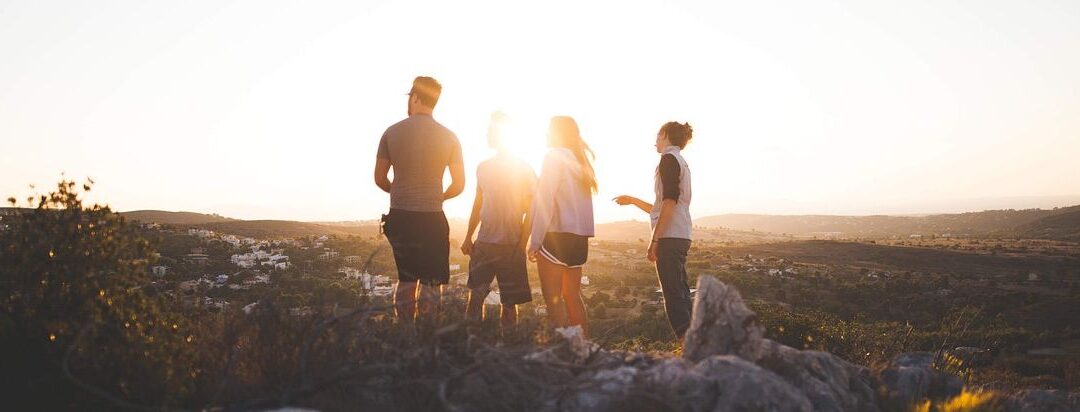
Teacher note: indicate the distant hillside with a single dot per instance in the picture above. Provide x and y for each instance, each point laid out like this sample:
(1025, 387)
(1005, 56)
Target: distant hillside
(991, 222)
(286, 228)
(173, 218)
(633, 230)
(1062, 226)
(253, 228)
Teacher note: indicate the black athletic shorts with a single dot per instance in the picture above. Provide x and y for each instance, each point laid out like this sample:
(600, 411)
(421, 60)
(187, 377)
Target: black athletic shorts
(421, 243)
(506, 263)
(566, 249)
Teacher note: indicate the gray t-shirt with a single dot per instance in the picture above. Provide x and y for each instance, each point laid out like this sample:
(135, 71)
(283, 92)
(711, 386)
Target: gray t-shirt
(419, 150)
(506, 184)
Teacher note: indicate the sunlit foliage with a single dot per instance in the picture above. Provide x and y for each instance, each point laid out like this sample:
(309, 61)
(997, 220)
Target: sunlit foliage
(75, 311)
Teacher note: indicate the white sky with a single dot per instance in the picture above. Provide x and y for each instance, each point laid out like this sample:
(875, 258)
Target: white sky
(268, 109)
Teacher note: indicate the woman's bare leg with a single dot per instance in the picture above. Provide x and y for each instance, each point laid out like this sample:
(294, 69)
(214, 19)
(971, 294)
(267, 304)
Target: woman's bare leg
(551, 286)
(575, 306)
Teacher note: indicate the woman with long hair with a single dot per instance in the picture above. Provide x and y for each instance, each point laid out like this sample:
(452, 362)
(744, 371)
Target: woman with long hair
(562, 222)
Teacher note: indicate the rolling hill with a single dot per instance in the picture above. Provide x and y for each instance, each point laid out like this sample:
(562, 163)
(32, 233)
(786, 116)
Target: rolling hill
(286, 228)
(1059, 223)
(1061, 226)
(252, 228)
(173, 218)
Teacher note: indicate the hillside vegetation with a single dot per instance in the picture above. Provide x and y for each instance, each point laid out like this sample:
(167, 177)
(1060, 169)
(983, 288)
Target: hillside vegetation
(1041, 223)
(173, 218)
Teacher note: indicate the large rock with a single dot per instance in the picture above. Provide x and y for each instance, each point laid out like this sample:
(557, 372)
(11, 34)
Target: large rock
(831, 383)
(737, 385)
(602, 390)
(721, 324)
(911, 378)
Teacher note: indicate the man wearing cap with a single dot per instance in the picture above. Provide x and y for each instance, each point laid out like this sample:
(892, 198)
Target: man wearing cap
(419, 149)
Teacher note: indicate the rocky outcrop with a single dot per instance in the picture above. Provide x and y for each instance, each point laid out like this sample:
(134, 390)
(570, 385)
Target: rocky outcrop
(721, 324)
(911, 378)
(726, 366)
(831, 383)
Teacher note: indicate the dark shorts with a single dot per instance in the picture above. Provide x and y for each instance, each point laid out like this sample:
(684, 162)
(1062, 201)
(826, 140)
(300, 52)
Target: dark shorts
(421, 243)
(566, 249)
(506, 263)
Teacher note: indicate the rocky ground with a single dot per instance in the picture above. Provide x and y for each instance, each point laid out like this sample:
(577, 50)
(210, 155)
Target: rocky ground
(726, 365)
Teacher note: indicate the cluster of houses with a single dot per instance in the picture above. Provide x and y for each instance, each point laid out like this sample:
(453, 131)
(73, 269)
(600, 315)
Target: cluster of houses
(777, 268)
(376, 285)
(274, 259)
(209, 281)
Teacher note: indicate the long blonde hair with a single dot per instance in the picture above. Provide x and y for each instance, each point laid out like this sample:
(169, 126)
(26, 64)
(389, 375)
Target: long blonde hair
(563, 132)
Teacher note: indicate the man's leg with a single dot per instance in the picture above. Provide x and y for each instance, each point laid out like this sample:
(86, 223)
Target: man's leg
(405, 301)
(671, 270)
(474, 311)
(508, 318)
(430, 298)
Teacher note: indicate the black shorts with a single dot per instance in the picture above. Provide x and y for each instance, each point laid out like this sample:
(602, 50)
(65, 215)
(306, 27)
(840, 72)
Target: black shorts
(566, 249)
(506, 263)
(421, 243)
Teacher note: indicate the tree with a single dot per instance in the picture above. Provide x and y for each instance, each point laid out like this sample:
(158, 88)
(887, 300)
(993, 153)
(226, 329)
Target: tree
(74, 318)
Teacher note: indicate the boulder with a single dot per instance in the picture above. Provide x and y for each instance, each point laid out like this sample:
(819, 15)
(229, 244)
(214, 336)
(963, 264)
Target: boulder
(911, 378)
(831, 383)
(721, 324)
(602, 390)
(730, 383)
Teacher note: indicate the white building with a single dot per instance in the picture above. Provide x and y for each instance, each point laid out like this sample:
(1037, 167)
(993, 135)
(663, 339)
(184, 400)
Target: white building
(201, 233)
(367, 280)
(159, 270)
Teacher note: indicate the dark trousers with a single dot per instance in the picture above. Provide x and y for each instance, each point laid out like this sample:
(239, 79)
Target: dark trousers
(671, 269)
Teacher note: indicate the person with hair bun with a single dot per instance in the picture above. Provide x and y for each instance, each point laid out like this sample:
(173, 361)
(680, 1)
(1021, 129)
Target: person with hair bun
(671, 224)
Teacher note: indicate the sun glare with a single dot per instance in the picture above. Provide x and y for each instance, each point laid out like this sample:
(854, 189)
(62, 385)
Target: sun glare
(525, 136)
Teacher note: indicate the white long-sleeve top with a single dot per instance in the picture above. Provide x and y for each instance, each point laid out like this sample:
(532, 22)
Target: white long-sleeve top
(561, 203)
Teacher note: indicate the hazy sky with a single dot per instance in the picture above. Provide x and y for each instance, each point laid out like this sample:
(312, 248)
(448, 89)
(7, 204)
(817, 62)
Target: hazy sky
(268, 109)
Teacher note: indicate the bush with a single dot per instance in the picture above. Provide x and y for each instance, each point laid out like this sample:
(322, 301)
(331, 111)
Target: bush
(75, 311)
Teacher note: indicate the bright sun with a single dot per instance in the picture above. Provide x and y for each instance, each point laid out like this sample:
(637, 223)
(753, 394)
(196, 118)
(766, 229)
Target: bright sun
(525, 136)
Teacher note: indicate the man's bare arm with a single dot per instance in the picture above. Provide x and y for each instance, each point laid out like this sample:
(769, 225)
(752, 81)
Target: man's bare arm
(382, 170)
(457, 181)
(474, 221)
(474, 217)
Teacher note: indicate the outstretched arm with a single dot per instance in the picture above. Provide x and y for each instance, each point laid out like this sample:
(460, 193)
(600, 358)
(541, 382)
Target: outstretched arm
(624, 200)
